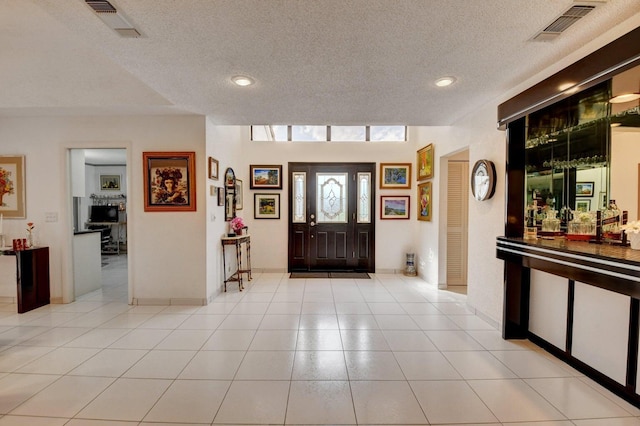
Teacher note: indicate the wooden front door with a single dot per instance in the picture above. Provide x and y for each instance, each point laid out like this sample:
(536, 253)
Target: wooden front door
(331, 220)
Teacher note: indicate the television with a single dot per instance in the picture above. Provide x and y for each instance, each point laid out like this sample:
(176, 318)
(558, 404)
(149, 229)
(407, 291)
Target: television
(103, 214)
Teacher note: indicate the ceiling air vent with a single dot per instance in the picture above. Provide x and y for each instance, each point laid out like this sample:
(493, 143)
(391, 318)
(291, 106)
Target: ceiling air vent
(112, 18)
(562, 22)
(101, 6)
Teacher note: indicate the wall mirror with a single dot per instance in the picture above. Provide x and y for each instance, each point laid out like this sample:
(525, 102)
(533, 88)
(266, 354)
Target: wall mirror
(580, 153)
(229, 194)
(625, 144)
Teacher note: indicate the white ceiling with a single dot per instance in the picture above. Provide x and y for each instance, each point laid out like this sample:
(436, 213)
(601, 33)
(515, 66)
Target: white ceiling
(315, 62)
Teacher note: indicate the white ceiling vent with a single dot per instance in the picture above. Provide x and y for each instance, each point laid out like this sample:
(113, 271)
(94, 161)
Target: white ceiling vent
(564, 21)
(114, 20)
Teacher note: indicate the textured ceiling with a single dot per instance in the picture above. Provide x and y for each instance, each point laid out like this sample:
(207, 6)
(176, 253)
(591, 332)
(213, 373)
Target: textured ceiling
(315, 62)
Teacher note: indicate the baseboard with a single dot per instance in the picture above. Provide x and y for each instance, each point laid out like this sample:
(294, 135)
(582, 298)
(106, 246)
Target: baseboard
(8, 300)
(56, 301)
(269, 270)
(168, 302)
(388, 271)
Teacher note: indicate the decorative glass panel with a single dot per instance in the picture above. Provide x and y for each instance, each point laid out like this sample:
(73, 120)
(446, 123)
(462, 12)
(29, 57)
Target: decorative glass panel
(331, 189)
(388, 133)
(348, 133)
(364, 198)
(299, 214)
(309, 133)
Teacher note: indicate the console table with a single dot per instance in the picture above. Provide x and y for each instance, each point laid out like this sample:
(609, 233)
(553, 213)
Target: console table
(31, 272)
(237, 241)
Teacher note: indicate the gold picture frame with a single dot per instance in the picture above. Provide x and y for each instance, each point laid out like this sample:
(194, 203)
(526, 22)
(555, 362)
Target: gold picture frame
(425, 201)
(395, 175)
(12, 187)
(424, 165)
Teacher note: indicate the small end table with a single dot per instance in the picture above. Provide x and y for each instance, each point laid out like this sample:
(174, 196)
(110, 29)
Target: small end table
(237, 241)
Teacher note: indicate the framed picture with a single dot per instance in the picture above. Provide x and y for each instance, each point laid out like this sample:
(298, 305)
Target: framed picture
(266, 177)
(169, 181)
(220, 196)
(213, 168)
(394, 207)
(395, 176)
(602, 200)
(425, 162)
(266, 206)
(583, 205)
(425, 201)
(109, 182)
(584, 189)
(239, 194)
(12, 189)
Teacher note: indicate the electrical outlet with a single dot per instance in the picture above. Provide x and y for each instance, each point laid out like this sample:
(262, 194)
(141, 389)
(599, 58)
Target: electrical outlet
(51, 217)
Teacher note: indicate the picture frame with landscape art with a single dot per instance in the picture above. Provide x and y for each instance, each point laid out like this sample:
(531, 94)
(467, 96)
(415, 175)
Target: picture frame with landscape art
(395, 207)
(266, 206)
(425, 201)
(110, 182)
(12, 186)
(584, 189)
(265, 177)
(169, 181)
(425, 162)
(583, 205)
(395, 176)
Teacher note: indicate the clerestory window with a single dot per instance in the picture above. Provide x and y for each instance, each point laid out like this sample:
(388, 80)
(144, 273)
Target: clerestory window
(299, 133)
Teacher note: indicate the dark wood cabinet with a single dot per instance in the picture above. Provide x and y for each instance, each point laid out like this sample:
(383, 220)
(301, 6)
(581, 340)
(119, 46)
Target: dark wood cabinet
(32, 278)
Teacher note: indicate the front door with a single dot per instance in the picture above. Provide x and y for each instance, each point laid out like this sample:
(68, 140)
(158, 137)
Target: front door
(331, 222)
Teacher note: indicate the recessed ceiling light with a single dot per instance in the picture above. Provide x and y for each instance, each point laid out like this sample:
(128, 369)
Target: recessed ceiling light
(242, 80)
(625, 97)
(445, 81)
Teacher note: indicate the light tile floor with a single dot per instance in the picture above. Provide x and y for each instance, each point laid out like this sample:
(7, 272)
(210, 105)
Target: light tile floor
(389, 350)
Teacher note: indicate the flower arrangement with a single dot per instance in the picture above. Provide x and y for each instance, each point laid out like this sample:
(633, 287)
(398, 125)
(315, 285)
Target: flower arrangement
(30, 227)
(631, 227)
(6, 184)
(237, 224)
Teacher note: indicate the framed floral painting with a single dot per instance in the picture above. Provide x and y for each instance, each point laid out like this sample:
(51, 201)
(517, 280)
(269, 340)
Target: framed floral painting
(169, 181)
(425, 162)
(12, 187)
(425, 201)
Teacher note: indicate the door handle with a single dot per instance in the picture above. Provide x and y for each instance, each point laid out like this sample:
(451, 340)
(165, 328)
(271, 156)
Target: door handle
(312, 223)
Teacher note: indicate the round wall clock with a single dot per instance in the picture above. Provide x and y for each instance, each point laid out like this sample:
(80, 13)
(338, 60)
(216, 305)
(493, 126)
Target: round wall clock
(483, 180)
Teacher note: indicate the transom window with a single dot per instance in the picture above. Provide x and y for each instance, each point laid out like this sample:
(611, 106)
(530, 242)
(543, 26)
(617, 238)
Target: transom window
(299, 133)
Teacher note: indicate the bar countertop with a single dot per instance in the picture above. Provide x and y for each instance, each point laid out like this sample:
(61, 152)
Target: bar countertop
(602, 251)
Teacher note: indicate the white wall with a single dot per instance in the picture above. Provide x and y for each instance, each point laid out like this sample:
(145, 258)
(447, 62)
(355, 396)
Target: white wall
(167, 250)
(224, 143)
(486, 218)
(269, 237)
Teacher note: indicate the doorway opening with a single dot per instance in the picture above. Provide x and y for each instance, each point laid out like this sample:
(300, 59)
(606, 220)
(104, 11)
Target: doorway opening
(332, 222)
(99, 208)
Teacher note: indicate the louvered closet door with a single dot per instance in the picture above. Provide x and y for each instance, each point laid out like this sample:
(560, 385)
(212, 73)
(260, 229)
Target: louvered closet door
(457, 219)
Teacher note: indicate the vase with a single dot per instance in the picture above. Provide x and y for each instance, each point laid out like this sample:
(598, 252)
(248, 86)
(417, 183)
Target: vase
(634, 240)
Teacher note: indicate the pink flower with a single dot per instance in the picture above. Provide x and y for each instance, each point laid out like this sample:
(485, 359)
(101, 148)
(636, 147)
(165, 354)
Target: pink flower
(237, 223)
